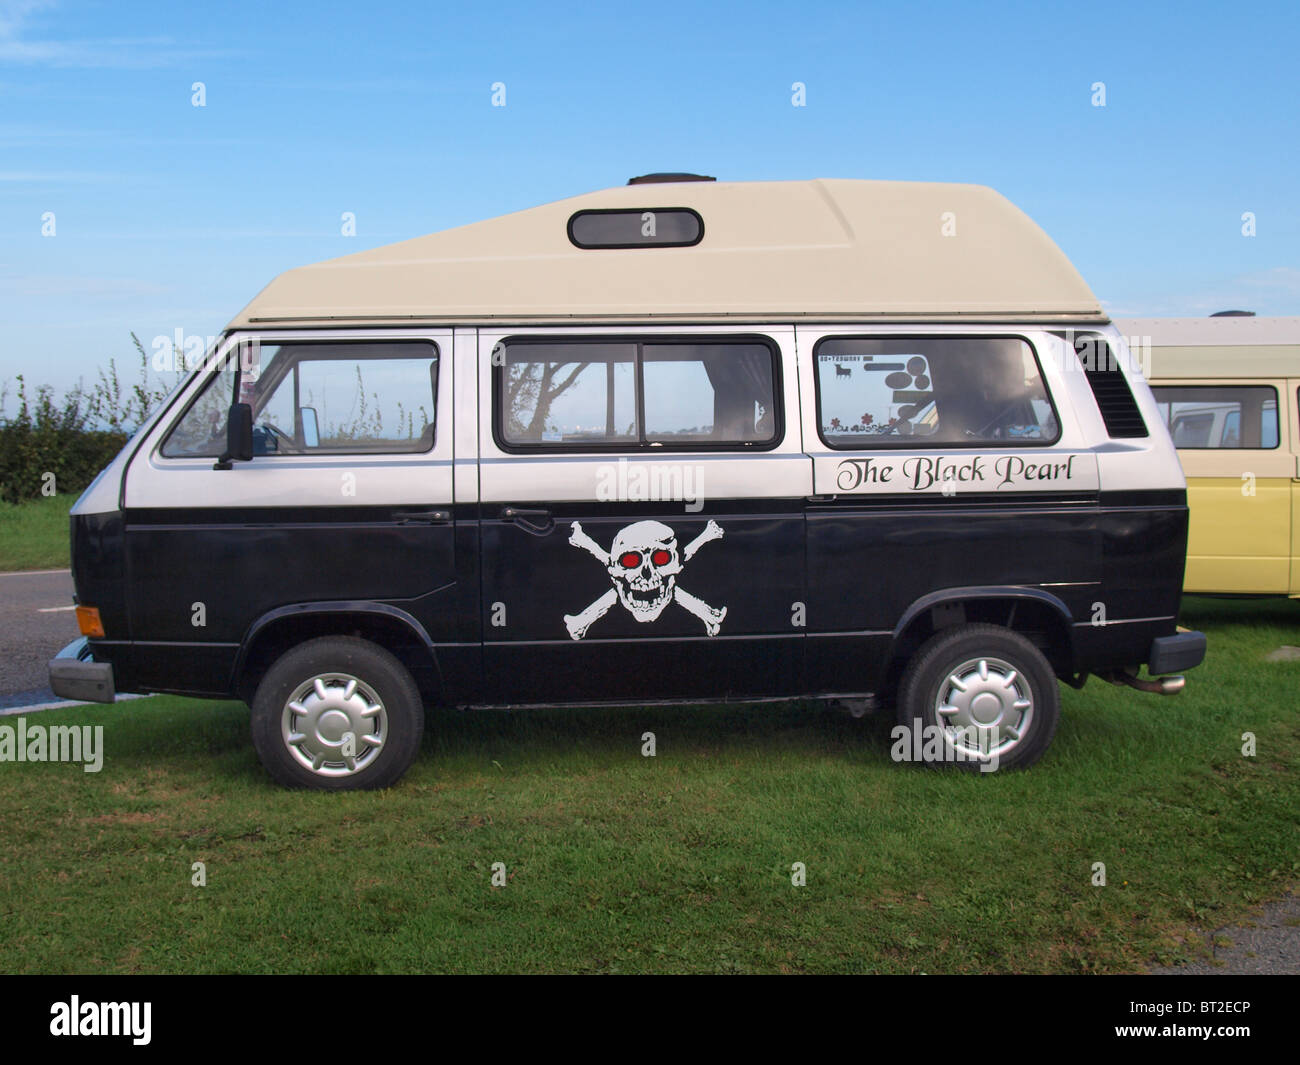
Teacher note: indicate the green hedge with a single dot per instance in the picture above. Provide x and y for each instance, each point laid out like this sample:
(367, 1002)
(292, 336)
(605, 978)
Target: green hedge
(75, 438)
(44, 438)
(74, 456)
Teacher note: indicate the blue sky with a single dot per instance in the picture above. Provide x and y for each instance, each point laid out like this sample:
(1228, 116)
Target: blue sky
(170, 216)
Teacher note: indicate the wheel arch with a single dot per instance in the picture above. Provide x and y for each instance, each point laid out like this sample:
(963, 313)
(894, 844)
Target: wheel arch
(389, 627)
(1038, 615)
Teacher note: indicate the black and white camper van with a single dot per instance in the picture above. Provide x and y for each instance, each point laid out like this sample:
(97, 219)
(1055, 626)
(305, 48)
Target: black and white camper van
(676, 441)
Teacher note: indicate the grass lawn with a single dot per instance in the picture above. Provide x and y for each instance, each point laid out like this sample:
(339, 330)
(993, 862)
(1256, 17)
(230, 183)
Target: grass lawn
(677, 863)
(34, 535)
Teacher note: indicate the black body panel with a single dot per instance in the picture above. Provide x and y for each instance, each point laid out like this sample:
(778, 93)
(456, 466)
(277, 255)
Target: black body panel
(860, 567)
(755, 570)
(98, 568)
(242, 565)
(868, 563)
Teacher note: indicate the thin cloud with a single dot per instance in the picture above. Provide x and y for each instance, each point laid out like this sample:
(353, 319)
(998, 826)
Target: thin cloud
(379, 86)
(1268, 292)
(172, 236)
(12, 134)
(66, 285)
(13, 13)
(56, 177)
(1263, 291)
(21, 44)
(1282, 279)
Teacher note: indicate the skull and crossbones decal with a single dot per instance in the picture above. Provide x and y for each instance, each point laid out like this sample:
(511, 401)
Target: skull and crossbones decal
(643, 564)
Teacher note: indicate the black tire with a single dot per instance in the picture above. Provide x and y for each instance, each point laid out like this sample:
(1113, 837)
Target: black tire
(1007, 656)
(384, 703)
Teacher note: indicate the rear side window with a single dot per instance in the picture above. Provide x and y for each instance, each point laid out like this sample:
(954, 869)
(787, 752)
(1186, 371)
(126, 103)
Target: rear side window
(633, 394)
(1219, 416)
(876, 392)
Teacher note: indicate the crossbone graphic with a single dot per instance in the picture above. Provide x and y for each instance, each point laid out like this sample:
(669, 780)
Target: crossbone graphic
(643, 564)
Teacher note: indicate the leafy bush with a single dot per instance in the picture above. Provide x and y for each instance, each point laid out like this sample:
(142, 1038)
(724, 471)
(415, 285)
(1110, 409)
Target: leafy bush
(50, 446)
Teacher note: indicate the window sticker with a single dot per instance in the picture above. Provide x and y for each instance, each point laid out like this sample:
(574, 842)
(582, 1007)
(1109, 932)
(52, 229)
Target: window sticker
(897, 392)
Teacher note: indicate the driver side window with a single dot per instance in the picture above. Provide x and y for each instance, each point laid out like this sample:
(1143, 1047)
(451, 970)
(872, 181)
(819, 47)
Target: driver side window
(308, 398)
(344, 398)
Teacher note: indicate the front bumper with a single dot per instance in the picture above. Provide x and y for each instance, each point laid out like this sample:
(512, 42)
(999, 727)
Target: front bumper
(74, 674)
(1174, 654)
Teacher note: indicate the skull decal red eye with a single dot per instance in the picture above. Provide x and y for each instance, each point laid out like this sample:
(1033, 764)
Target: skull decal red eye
(643, 564)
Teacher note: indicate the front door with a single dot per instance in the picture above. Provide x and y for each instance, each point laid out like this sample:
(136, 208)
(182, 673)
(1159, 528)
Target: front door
(348, 500)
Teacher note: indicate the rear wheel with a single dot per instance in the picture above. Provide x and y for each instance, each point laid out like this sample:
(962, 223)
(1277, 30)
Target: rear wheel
(337, 713)
(984, 698)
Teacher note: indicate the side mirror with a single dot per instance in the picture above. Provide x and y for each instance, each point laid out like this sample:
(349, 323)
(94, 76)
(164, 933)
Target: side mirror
(239, 436)
(310, 430)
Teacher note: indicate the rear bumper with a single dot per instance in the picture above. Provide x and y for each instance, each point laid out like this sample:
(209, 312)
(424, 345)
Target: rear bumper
(1174, 654)
(74, 674)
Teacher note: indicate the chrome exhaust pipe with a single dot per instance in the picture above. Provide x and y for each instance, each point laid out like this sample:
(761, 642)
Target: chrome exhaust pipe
(1171, 685)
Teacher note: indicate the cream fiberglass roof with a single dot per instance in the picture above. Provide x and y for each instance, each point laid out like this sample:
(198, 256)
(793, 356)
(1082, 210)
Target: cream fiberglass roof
(771, 251)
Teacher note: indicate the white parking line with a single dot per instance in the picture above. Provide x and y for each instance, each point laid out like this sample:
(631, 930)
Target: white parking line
(10, 711)
(53, 609)
(34, 572)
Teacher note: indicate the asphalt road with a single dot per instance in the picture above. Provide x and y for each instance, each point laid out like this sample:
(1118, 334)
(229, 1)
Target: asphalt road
(36, 622)
(1268, 944)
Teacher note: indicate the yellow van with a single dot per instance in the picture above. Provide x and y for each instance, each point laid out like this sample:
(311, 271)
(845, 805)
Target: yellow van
(1228, 389)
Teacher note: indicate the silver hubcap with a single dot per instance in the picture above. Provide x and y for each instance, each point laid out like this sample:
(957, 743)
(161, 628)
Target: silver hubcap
(334, 724)
(985, 707)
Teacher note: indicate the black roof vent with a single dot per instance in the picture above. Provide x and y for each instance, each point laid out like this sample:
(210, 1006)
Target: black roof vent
(664, 179)
(1233, 314)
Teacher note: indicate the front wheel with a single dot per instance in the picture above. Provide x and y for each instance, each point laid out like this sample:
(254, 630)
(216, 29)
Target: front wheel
(337, 713)
(983, 698)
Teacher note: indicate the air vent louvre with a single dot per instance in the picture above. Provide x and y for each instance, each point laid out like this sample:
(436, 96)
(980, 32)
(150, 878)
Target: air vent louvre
(1119, 410)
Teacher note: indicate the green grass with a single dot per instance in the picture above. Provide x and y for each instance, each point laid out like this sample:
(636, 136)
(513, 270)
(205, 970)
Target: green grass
(34, 535)
(678, 863)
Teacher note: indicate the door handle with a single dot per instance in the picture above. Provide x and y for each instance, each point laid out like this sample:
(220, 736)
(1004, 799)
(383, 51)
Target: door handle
(422, 517)
(535, 520)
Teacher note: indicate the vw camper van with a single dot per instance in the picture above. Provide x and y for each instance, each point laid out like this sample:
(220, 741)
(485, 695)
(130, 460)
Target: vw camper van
(1228, 390)
(677, 441)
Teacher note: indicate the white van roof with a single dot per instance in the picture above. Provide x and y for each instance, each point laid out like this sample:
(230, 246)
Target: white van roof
(771, 251)
(1217, 347)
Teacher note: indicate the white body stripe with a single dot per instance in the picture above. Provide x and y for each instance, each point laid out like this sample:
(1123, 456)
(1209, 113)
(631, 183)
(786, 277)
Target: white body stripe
(466, 465)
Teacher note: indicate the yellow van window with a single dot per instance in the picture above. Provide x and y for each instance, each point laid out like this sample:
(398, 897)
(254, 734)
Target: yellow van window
(1219, 416)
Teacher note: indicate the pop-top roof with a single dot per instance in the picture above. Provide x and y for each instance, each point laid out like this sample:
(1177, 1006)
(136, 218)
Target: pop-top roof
(771, 251)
